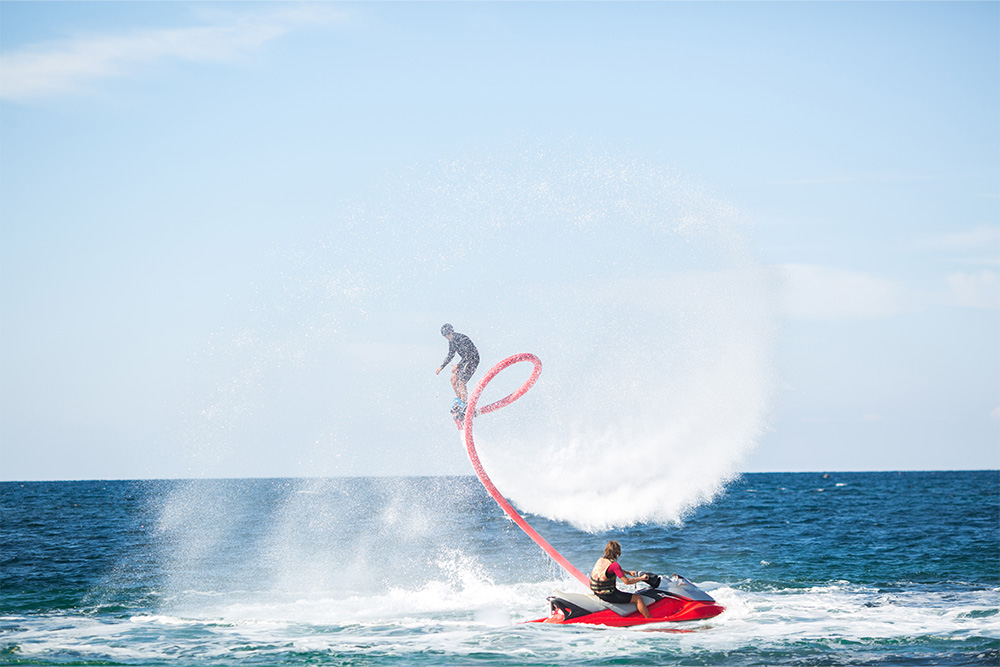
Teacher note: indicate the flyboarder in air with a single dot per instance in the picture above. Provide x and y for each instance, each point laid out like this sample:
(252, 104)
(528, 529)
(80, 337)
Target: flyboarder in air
(462, 372)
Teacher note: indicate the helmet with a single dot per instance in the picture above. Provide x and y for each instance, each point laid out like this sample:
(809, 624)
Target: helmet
(447, 329)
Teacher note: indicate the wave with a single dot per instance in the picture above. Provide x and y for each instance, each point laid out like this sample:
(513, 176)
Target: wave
(842, 622)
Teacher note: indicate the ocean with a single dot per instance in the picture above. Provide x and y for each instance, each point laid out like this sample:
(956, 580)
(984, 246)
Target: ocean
(891, 568)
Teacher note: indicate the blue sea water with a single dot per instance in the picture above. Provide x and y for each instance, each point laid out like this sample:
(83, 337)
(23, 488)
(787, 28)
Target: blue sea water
(838, 569)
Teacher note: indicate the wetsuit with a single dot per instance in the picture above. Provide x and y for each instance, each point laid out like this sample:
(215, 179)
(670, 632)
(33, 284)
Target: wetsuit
(607, 589)
(467, 350)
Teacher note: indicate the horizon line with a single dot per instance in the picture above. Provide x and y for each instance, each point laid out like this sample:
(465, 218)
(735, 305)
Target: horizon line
(470, 476)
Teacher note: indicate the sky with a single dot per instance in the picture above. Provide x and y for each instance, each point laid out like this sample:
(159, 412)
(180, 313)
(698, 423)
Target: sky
(230, 232)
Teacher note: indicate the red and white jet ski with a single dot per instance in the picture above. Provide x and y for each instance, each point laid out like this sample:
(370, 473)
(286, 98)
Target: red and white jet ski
(667, 599)
(671, 598)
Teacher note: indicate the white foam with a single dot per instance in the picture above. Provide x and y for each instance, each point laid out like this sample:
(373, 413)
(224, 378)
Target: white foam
(482, 616)
(851, 612)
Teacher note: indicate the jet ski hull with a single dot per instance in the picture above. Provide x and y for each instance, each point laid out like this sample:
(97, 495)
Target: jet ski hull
(666, 610)
(677, 600)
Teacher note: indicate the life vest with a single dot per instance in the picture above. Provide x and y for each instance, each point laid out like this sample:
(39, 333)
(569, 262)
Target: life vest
(606, 586)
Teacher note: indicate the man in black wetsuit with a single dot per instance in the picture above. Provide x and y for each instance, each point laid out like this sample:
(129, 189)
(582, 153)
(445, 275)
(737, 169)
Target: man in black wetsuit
(464, 369)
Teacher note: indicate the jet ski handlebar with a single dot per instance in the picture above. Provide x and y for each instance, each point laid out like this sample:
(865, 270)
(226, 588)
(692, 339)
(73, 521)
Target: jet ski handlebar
(652, 579)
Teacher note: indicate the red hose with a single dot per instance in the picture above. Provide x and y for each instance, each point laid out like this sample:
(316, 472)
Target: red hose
(470, 445)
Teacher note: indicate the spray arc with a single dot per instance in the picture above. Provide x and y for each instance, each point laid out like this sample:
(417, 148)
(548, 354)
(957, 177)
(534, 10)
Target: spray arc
(671, 598)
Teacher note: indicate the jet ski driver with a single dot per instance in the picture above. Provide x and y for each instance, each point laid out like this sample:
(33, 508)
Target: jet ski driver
(607, 571)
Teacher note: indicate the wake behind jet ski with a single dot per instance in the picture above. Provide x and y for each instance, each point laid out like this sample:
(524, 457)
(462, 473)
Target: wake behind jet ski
(672, 599)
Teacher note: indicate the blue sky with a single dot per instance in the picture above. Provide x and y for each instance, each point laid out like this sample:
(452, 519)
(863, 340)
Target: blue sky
(180, 181)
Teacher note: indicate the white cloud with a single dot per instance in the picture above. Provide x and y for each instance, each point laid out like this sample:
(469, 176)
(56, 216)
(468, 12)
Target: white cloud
(839, 179)
(68, 66)
(824, 293)
(976, 246)
(981, 237)
(975, 290)
(818, 292)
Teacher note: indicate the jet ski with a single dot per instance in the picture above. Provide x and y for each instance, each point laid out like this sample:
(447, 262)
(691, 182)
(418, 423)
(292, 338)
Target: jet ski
(668, 599)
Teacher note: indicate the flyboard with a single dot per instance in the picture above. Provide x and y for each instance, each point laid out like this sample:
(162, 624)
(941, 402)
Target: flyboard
(671, 598)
